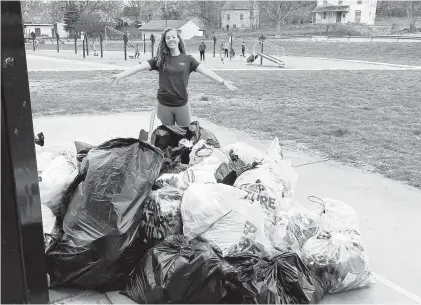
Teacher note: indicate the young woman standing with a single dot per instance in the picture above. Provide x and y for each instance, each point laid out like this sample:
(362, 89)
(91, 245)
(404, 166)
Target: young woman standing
(174, 67)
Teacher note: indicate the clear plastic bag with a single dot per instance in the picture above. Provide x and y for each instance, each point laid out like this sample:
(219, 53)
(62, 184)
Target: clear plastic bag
(336, 215)
(220, 215)
(339, 260)
(302, 223)
(161, 216)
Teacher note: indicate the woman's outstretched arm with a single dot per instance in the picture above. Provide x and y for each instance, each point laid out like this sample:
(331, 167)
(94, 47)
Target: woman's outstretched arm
(202, 69)
(130, 71)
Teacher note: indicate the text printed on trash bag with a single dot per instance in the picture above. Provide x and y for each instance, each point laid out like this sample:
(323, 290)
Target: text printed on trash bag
(254, 194)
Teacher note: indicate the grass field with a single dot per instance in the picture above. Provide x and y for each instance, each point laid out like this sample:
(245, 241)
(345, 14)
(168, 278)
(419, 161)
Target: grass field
(405, 53)
(369, 118)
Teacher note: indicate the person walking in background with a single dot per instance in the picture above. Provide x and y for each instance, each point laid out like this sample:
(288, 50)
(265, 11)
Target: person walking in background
(136, 54)
(202, 49)
(243, 48)
(226, 47)
(222, 52)
(174, 67)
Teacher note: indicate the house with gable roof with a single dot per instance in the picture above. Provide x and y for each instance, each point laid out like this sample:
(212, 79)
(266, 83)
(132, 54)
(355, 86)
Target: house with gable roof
(240, 15)
(186, 28)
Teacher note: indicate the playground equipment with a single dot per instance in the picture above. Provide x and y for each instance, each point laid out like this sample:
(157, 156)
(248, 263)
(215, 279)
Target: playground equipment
(278, 59)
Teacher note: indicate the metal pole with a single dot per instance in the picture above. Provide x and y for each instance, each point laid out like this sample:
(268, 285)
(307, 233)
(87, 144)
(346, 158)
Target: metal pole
(125, 49)
(87, 44)
(144, 43)
(261, 52)
(231, 47)
(75, 43)
(22, 243)
(101, 38)
(83, 46)
(58, 47)
(214, 45)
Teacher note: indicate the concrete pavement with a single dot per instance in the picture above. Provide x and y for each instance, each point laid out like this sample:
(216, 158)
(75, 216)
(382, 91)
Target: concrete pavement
(114, 60)
(389, 211)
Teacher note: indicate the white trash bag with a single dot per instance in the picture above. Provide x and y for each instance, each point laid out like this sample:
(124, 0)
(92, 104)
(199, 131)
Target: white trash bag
(56, 170)
(202, 151)
(220, 215)
(246, 153)
(200, 173)
(270, 183)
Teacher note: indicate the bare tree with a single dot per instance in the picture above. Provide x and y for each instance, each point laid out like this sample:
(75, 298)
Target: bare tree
(279, 12)
(413, 10)
(208, 12)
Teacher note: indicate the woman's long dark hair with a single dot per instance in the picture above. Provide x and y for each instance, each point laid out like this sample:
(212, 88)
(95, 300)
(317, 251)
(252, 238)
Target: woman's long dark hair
(163, 53)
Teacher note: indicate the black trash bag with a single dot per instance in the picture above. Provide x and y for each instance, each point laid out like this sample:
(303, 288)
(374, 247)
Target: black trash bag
(301, 286)
(225, 174)
(252, 279)
(177, 271)
(238, 165)
(172, 167)
(196, 133)
(165, 136)
(179, 153)
(103, 265)
(103, 215)
(257, 279)
(119, 175)
(161, 216)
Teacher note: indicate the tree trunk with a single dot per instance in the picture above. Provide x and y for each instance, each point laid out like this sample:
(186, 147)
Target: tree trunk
(411, 11)
(278, 26)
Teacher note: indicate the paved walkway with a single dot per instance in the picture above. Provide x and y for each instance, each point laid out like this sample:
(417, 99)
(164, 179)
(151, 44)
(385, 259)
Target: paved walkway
(389, 211)
(114, 60)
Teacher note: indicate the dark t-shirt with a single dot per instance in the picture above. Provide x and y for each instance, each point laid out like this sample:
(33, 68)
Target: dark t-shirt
(174, 80)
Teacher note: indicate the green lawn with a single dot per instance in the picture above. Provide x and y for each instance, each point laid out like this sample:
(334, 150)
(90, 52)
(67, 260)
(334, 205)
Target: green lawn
(407, 53)
(370, 118)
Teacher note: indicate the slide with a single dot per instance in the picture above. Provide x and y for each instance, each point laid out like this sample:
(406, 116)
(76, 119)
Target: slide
(277, 61)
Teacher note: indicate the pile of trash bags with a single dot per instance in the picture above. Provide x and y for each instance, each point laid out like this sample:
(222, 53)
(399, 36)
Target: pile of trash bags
(184, 220)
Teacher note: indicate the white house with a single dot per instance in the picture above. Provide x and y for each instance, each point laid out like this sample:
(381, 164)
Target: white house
(344, 11)
(239, 15)
(186, 28)
(40, 29)
(44, 30)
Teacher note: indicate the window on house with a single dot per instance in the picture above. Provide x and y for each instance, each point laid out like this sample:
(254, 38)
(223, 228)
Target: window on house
(241, 16)
(324, 15)
(228, 17)
(359, 1)
(234, 26)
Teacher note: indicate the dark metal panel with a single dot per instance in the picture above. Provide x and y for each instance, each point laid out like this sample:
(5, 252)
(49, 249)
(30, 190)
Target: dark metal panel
(24, 277)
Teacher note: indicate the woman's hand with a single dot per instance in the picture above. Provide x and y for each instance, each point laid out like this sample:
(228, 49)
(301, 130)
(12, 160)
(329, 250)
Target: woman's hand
(230, 85)
(115, 79)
